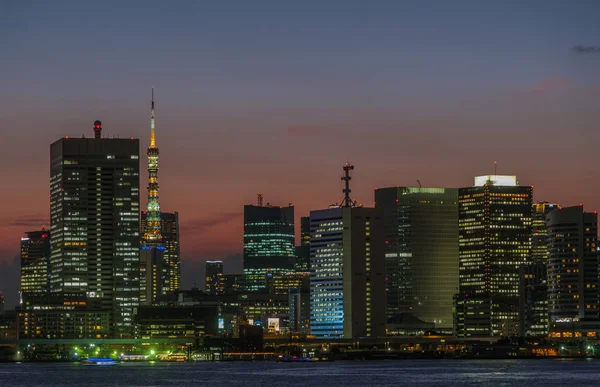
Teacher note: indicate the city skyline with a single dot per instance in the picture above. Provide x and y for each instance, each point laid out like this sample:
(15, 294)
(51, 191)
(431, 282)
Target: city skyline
(228, 133)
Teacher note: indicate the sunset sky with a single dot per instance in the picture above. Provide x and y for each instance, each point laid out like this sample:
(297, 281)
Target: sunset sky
(274, 96)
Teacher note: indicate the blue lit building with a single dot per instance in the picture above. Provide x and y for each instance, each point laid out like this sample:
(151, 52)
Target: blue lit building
(347, 265)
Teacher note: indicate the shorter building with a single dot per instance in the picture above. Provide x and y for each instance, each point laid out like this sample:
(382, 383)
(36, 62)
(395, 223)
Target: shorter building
(300, 311)
(169, 322)
(35, 262)
(8, 326)
(405, 324)
(282, 283)
(61, 316)
(214, 272)
(152, 273)
(533, 300)
(230, 284)
(573, 273)
(260, 308)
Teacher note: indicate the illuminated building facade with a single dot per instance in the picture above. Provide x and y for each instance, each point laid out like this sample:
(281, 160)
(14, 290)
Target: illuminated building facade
(61, 316)
(164, 261)
(572, 272)
(268, 244)
(539, 231)
(94, 217)
(172, 253)
(533, 287)
(494, 241)
(421, 251)
(213, 271)
(347, 282)
(284, 282)
(35, 262)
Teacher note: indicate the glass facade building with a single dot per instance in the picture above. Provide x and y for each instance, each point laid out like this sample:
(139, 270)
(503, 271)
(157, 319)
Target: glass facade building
(494, 241)
(421, 251)
(269, 247)
(95, 224)
(35, 262)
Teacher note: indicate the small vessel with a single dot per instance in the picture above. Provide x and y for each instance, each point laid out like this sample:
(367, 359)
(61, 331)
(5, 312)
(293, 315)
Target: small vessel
(302, 359)
(99, 361)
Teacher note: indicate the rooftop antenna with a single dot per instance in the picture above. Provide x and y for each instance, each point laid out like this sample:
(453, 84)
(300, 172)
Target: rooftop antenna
(260, 200)
(97, 129)
(419, 182)
(495, 167)
(347, 202)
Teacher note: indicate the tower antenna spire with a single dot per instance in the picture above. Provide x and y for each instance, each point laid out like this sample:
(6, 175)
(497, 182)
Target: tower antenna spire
(152, 232)
(347, 202)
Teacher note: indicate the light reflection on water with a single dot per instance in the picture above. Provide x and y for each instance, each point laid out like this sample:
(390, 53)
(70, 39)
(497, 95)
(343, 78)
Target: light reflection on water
(486, 373)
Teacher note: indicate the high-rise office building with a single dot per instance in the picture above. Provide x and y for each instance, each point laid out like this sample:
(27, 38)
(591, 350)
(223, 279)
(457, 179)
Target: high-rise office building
(421, 251)
(94, 216)
(268, 244)
(213, 272)
(573, 272)
(494, 241)
(35, 262)
(347, 273)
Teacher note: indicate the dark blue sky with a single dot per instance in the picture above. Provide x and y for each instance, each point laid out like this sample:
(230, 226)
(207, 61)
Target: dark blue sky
(273, 96)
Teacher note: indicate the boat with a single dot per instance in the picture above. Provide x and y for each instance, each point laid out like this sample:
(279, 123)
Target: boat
(302, 359)
(99, 361)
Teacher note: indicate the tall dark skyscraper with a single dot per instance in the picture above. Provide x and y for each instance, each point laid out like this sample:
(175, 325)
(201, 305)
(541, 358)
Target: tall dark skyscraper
(533, 287)
(421, 233)
(494, 240)
(303, 250)
(573, 273)
(268, 244)
(94, 216)
(347, 272)
(213, 272)
(35, 262)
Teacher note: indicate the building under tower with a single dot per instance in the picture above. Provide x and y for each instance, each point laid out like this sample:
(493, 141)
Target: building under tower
(94, 224)
(347, 265)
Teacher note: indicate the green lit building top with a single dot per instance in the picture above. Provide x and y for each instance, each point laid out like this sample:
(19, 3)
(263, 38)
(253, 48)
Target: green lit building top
(269, 246)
